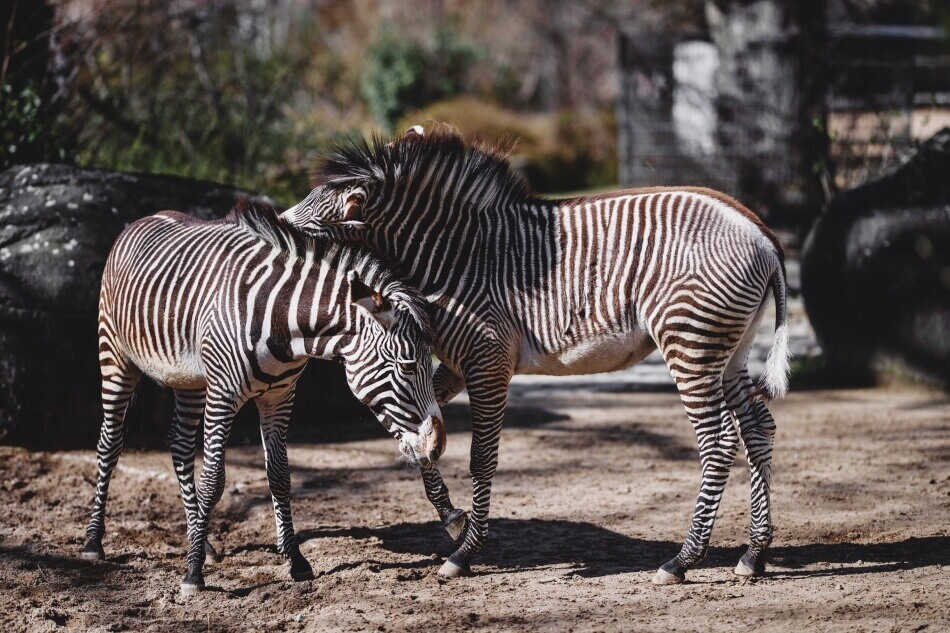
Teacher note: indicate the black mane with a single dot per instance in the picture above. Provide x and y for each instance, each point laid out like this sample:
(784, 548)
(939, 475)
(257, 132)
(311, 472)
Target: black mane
(476, 164)
(264, 221)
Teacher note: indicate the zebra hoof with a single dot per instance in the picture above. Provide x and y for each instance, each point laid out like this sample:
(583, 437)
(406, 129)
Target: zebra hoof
(92, 551)
(750, 566)
(663, 577)
(301, 576)
(193, 582)
(188, 589)
(456, 523)
(744, 570)
(211, 554)
(300, 569)
(451, 570)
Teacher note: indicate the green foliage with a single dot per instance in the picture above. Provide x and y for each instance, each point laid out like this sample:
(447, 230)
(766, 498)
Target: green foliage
(30, 131)
(393, 78)
(400, 74)
(18, 122)
(557, 152)
(30, 127)
(211, 107)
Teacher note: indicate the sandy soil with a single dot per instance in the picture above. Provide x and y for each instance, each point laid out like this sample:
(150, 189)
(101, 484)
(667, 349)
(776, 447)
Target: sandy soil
(594, 490)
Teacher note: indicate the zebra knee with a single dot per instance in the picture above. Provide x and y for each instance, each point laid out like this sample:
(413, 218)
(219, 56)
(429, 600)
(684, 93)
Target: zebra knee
(210, 491)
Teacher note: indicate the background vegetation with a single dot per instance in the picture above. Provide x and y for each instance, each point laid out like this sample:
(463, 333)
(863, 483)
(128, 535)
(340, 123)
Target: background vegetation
(247, 92)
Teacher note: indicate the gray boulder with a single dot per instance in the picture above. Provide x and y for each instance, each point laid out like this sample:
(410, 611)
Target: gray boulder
(57, 224)
(876, 270)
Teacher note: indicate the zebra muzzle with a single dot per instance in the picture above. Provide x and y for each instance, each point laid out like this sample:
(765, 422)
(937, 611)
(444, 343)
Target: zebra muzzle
(433, 432)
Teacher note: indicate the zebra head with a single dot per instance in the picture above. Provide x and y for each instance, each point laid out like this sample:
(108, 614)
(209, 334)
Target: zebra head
(389, 367)
(336, 209)
(332, 212)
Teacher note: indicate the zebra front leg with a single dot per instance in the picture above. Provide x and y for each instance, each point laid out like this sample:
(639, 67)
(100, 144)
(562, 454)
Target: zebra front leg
(447, 384)
(118, 383)
(488, 397)
(189, 408)
(275, 409)
(757, 429)
(718, 442)
(454, 520)
(220, 409)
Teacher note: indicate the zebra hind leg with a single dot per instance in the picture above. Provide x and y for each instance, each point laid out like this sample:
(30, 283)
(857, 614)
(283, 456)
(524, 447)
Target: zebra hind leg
(757, 429)
(275, 409)
(119, 379)
(182, 434)
(718, 441)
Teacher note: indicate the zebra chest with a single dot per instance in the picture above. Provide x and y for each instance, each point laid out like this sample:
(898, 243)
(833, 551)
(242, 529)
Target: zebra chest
(591, 354)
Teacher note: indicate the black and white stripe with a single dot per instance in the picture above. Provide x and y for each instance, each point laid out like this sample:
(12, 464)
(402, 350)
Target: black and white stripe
(524, 284)
(230, 311)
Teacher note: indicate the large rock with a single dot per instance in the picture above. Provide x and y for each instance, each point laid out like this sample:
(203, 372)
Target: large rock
(57, 224)
(876, 270)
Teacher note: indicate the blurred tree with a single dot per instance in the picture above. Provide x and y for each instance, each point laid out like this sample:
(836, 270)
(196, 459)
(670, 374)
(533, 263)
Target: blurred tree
(195, 91)
(247, 91)
(30, 101)
(393, 78)
(400, 74)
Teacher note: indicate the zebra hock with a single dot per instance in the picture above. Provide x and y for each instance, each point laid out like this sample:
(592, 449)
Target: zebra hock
(524, 284)
(229, 311)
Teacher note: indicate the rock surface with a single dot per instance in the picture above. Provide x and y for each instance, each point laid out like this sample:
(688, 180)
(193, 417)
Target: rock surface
(876, 270)
(57, 224)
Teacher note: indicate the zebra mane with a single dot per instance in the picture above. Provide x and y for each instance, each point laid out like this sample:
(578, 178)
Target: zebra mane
(409, 300)
(264, 221)
(477, 168)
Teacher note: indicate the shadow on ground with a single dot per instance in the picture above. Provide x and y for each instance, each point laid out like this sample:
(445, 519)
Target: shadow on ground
(594, 551)
(517, 545)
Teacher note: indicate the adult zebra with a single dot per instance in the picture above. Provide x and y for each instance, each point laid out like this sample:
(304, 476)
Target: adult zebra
(524, 284)
(230, 311)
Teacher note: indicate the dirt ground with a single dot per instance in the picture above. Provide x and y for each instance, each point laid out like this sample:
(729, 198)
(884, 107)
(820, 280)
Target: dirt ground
(594, 490)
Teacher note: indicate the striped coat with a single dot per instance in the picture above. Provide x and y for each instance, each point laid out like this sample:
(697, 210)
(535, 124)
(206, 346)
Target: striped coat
(230, 311)
(525, 284)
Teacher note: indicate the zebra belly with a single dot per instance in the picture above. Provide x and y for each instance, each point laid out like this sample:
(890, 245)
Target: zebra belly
(593, 355)
(185, 371)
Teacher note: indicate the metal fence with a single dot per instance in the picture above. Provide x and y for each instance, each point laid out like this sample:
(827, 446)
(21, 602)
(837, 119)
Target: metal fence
(886, 89)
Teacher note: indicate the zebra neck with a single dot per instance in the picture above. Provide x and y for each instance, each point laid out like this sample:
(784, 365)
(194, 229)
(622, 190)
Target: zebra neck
(454, 251)
(321, 319)
(328, 347)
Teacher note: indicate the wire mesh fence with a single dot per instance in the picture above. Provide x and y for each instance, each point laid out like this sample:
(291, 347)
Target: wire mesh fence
(884, 89)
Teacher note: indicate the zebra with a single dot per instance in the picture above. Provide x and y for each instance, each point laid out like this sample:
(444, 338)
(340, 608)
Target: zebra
(524, 284)
(231, 310)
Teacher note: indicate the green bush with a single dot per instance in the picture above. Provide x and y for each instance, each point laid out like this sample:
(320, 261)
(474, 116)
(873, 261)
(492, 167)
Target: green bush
(557, 152)
(393, 78)
(400, 74)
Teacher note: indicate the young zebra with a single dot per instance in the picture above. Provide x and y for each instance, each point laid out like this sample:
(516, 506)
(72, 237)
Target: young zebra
(524, 284)
(230, 311)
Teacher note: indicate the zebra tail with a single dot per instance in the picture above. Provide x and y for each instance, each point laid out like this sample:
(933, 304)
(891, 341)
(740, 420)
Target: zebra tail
(774, 381)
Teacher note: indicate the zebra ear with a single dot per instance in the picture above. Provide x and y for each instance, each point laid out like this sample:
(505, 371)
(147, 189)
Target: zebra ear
(370, 302)
(415, 132)
(353, 208)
